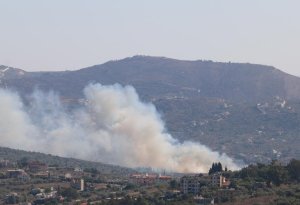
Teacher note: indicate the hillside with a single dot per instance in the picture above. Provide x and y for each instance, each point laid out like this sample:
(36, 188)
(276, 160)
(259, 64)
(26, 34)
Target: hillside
(16, 155)
(155, 77)
(248, 111)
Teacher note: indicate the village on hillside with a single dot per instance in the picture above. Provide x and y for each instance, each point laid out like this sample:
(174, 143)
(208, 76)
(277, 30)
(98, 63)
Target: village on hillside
(34, 182)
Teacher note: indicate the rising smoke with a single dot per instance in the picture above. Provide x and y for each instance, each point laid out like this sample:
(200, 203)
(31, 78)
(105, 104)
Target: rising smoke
(113, 126)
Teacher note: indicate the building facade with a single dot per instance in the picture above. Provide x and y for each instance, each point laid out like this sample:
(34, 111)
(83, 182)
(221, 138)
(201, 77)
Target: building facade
(218, 180)
(192, 184)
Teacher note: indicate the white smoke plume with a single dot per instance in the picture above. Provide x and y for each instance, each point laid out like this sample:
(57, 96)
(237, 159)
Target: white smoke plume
(113, 126)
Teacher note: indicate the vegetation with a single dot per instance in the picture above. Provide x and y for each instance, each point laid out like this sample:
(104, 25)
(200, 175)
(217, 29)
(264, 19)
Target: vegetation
(277, 184)
(274, 184)
(216, 167)
(70, 193)
(274, 173)
(23, 157)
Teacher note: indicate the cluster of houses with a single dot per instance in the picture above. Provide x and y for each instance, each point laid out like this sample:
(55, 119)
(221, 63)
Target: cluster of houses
(41, 196)
(193, 184)
(189, 184)
(6, 163)
(36, 169)
(39, 170)
(148, 179)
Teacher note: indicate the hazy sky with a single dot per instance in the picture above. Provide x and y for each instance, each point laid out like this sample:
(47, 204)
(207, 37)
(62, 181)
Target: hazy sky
(72, 34)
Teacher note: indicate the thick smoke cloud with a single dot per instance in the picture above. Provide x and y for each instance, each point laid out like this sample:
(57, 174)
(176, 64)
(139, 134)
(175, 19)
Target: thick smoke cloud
(113, 126)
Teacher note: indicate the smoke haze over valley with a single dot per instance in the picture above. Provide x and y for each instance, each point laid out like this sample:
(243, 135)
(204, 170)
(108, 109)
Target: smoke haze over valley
(248, 111)
(112, 125)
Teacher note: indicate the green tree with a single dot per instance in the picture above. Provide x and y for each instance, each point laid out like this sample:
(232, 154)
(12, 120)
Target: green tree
(219, 167)
(70, 193)
(23, 162)
(277, 174)
(294, 169)
(216, 167)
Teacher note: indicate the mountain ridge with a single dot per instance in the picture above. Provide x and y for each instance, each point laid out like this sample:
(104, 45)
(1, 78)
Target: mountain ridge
(233, 108)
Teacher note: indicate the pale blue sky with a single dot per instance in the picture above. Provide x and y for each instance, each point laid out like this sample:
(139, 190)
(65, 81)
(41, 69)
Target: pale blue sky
(72, 34)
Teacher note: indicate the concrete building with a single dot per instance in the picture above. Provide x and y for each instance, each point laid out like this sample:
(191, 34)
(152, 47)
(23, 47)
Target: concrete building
(41, 174)
(17, 173)
(218, 180)
(3, 163)
(191, 184)
(147, 179)
(78, 184)
(78, 169)
(36, 166)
